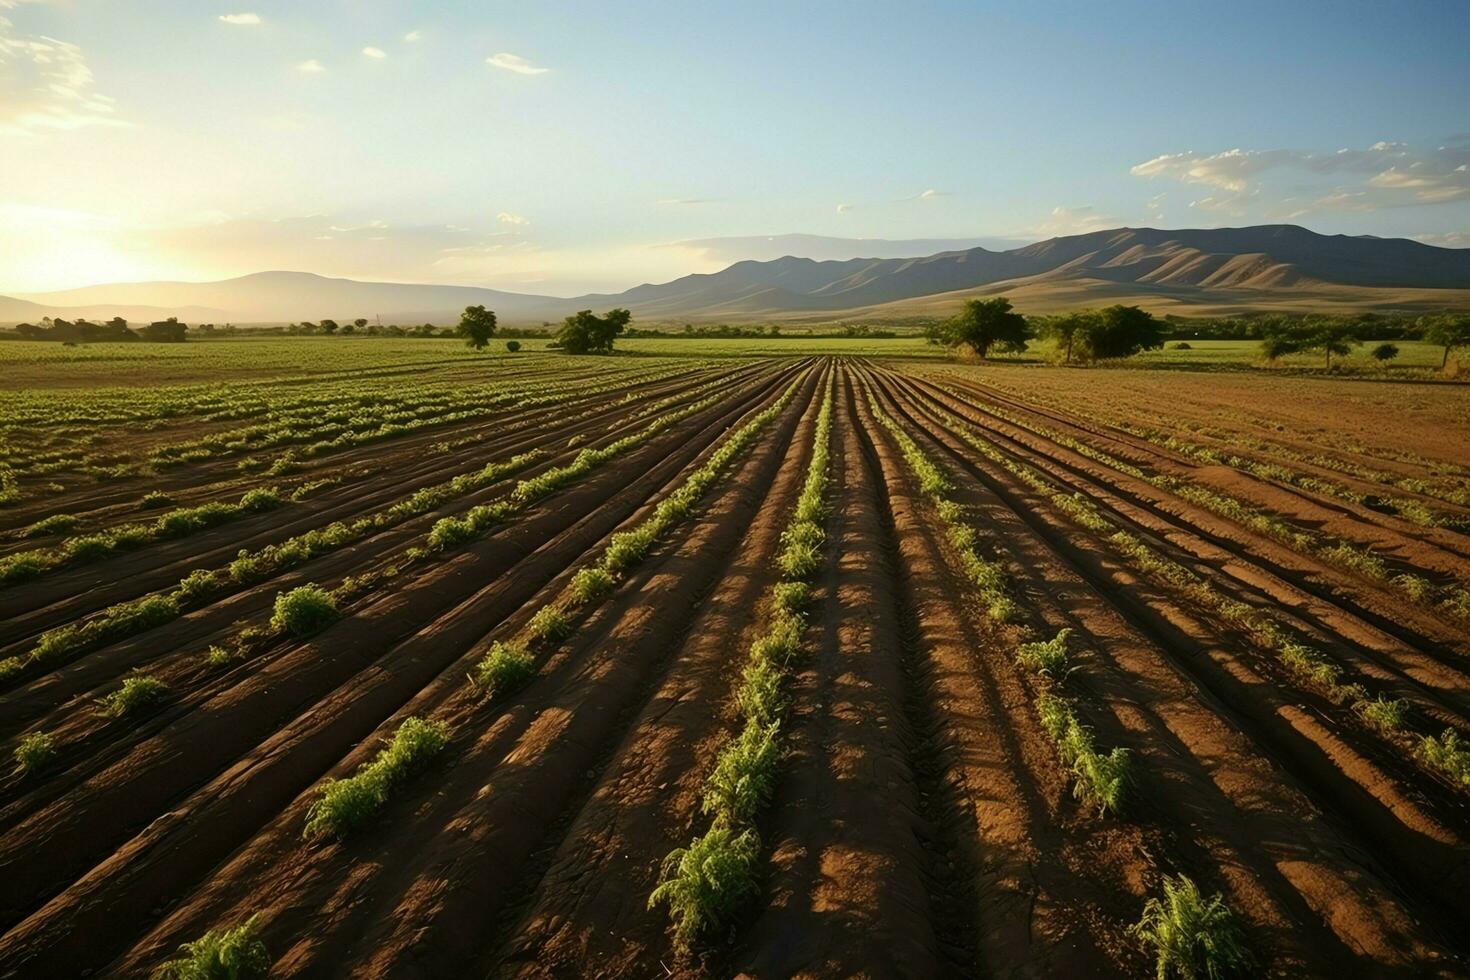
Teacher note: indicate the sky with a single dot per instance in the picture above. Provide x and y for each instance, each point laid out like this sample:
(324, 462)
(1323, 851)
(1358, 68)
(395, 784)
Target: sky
(560, 148)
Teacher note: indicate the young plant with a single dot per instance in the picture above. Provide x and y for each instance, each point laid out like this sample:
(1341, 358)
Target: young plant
(703, 884)
(304, 610)
(139, 693)
(344, 805)
(233, 954)
(504, 669)
(591, 584)
(1384, 714)
(549, 625)
(1048, 657)
(744, 776)
(34, 752)
(1191, 937)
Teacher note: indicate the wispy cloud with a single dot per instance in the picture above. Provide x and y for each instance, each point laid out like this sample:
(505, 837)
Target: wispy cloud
(413, 37)
(1394, 174)
(46, 85)
(515, 63)
(374, 53)
(311, 67)
(684, 201)
(844, 208)
(511, 218)
(1074, 221)
(241, 20)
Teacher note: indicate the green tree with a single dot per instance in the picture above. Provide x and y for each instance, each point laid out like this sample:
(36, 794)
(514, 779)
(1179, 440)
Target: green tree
(360, 322)
(1336, 339)
(587, 333)
(476, 326)
(1384, 353)
(1067, 328)
(1450, 331)
(1277, 345)
(1119, 331)
(983, 325)
(169, 331)
(329, 327)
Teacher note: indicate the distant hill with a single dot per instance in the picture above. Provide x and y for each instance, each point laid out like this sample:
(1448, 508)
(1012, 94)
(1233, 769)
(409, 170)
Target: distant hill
(1199, 270)
(763, 248)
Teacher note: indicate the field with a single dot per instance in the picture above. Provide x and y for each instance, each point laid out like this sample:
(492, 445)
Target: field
(782, 658)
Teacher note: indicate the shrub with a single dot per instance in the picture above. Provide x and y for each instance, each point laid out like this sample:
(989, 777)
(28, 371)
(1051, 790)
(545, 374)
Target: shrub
(704, 883)
(154, 499)
(138, 693)
(1384, 353)
(234, 954)
(22, 565)
(505, 668)
(1048, 657)
(1449, 754)
(343, 805)
(33, 752)
(1191, 937)
(218, 656)
(304, 610)
(198, 584)
(512, 345)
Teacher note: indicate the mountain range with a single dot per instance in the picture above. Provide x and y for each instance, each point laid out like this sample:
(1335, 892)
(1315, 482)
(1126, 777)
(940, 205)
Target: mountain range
(1196, 270)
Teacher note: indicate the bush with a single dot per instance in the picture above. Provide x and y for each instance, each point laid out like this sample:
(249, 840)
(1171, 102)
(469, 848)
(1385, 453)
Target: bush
(549, 625)
(235, 954)
(138, 693)
(1190, 936)
(704, 883)
(33, 752)
(505, 668)
(304, 610)
(513, 345)
(591, 584)
(1384, 353)
(261, 498)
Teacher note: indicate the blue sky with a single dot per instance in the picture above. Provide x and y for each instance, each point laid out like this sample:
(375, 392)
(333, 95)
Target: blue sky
(561, 147)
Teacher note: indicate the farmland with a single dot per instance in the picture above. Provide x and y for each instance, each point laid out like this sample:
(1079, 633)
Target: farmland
(777, 657)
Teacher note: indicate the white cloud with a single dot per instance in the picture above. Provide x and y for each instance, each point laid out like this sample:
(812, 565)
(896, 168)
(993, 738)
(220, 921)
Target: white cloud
(930, 193)
(311, 67)
(515, 63)
(509, 218)
(413, 37)
(372, 52)
(241, 20)
(684, 201)
(1394, 174)
(46, 86)
(844, 208)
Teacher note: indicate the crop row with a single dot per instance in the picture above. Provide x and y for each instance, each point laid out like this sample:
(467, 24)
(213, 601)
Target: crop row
(1307, 665)
(1452, 599)
(344, 805)
(705, 883)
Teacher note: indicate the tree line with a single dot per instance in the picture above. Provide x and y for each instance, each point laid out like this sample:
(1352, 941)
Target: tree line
(580, 333)
(986, 325)
(116, 330)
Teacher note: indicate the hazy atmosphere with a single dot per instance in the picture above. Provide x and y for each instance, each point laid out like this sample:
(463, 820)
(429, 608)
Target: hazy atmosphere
(569, 148)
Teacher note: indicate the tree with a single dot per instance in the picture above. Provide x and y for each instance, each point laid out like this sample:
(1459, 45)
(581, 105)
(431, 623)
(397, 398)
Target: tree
(985, 324)
(1331, 340)
(587, 333)
(360, 322)
(1450, 331)
(476, 326)
(1065, 330)
(329, 327)
(1119, 331)
(169, 331)
(1278, 345)
(1384, 353)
